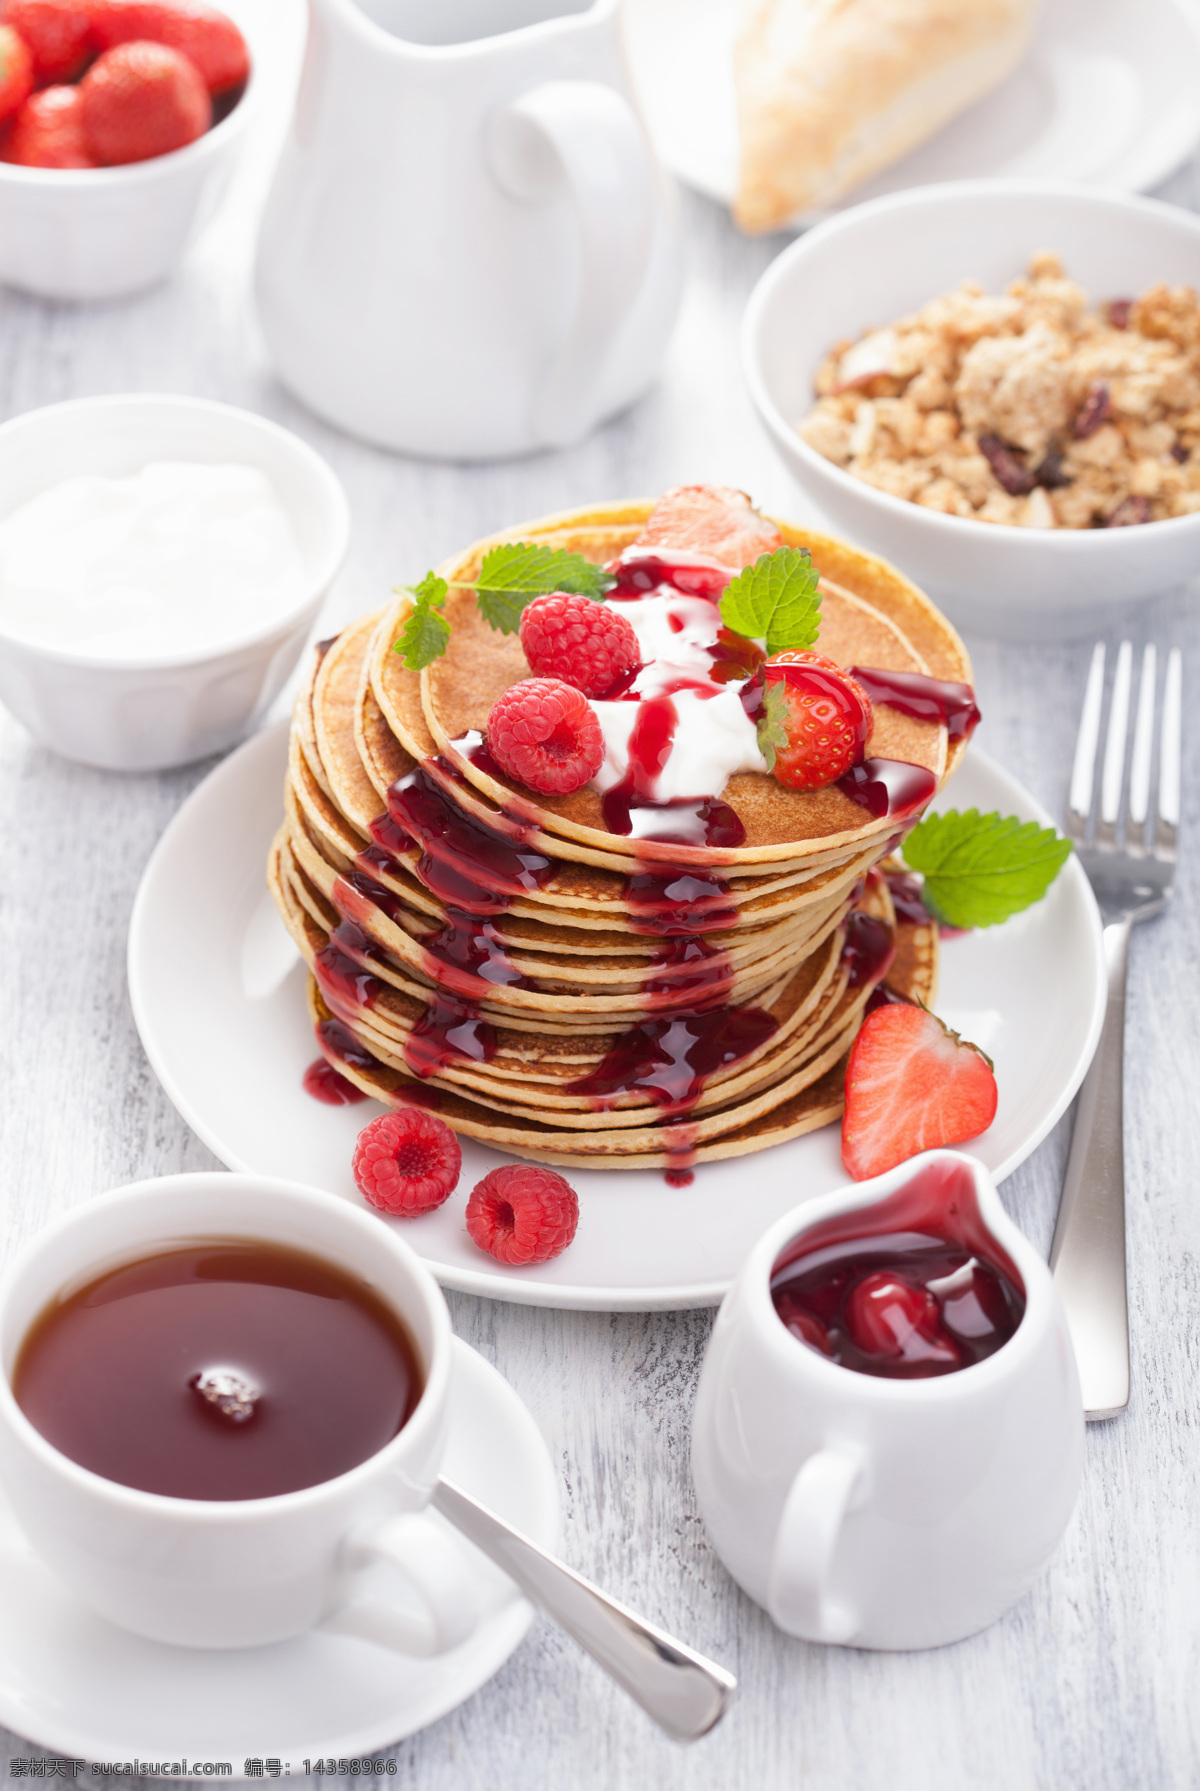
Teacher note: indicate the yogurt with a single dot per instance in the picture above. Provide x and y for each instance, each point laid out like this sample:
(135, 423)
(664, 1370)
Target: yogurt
(713, 736)
(178, 559)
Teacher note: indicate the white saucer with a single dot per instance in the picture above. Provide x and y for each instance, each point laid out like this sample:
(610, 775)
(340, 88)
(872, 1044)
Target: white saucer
(74, 1684)
(1109, 93)
(218, 995)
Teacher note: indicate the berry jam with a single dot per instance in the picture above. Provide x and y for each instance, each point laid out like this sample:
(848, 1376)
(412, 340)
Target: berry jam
(925, 699)
(905, 891)
(909, 1287)
(887, 786)
(869, 949)
(326, 1084)
(640, 574)
(672, 1058)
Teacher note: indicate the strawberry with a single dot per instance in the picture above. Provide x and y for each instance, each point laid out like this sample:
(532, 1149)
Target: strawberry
(48, 131)
(59, 36)
(709, 519)
(16, 72)
(816, 721)
(142, 100)
(212, 40)
(911, 1085)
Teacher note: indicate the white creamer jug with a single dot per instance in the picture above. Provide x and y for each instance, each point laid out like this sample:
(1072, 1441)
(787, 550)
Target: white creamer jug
(469, 249)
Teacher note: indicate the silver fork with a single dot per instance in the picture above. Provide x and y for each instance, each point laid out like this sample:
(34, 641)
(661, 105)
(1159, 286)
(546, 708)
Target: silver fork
(1133, 877)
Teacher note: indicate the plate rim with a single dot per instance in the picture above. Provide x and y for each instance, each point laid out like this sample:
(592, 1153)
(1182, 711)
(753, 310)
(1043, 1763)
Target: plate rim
(521, 1290)
(1187, 11)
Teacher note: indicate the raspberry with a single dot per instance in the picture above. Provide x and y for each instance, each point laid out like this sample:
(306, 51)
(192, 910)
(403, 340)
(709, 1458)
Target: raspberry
(522, 1214)
(142, 100)
(407, 1162)
(545, 734)
(589, 645)
(825, 715)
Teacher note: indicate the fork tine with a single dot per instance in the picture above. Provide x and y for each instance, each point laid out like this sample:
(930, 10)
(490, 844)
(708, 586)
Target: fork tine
(1114, 749)
(1143, 753)
(1080, 801)
(1170, 752)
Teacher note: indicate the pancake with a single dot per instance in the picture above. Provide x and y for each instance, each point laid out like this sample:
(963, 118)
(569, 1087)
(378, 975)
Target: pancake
(562, 990)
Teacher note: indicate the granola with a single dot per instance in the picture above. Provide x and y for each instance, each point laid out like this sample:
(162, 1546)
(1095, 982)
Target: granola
(1030, 408)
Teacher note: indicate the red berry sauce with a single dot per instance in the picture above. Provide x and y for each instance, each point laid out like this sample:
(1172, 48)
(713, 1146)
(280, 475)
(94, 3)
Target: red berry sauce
(925, 699)
(909, 1287)
(326, 1084)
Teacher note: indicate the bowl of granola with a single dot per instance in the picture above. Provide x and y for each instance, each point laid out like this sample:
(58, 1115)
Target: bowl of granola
(997, 385)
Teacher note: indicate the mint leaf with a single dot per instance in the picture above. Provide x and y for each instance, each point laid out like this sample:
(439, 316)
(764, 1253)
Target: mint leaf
(776, 600)
(979, 869)
(772, 731)
(426, 631)
(517, 571)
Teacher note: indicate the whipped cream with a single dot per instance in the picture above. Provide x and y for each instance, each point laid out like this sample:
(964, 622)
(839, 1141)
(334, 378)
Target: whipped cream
(713, 736)
(181, 557)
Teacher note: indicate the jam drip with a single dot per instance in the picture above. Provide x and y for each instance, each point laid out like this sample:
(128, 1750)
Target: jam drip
(328, 1085)
(672, 1058)
(925, 699)
(869, 949)
(887, 786)
(475, 869)
(642, 573)
(911, 1287)
(630, 808)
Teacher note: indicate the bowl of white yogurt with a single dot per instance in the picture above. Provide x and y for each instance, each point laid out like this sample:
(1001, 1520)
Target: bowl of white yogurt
(162, 560)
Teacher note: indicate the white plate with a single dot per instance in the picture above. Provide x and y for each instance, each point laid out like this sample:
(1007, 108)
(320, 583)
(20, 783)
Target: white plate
(1109, 93)
(218, 996)
(75, 1684)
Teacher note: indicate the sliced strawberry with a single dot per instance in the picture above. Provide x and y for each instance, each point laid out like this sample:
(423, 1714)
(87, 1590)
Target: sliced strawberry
(911, 1085)
(819, 719)
(710, 519)
(16, 72)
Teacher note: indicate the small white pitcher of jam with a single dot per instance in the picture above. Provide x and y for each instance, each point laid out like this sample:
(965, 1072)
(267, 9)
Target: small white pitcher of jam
(887, 1442)
(470, 250)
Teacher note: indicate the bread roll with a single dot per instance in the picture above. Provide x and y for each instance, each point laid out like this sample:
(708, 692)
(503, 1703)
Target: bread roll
(830, 91)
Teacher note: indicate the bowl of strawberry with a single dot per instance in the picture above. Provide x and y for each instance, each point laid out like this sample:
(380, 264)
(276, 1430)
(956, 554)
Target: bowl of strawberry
(120, 123)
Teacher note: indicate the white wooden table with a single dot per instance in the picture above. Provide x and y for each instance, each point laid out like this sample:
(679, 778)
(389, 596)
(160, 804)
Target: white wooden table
(1092, 1681)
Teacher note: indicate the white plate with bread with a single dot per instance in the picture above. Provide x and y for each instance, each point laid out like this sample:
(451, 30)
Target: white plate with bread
(787, 109)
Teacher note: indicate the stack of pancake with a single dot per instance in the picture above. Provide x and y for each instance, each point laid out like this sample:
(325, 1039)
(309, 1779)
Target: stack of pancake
(562, 992)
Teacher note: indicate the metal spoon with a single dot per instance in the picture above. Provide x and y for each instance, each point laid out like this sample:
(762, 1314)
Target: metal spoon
(684, 1693)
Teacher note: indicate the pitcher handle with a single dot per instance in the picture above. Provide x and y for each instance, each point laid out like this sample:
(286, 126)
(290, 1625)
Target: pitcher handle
(582, 138)
(798, 1596)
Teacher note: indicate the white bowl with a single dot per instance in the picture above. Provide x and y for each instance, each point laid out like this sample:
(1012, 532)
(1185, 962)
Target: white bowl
(99, 233)
(878, 261)
(150, 714)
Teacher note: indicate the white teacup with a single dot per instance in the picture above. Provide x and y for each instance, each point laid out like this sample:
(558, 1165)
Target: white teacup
(878, 1512)
(232, 1574)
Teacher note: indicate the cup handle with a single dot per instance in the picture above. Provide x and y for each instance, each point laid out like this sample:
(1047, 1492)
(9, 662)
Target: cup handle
(582, 138)
(436, 1569)
(798, 1598)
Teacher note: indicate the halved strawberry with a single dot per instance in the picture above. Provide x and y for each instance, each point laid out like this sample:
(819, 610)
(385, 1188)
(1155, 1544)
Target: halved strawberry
(911, 1085)
(817, 719)
(713, 520)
